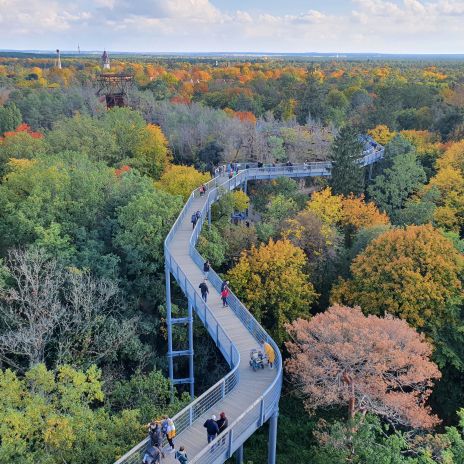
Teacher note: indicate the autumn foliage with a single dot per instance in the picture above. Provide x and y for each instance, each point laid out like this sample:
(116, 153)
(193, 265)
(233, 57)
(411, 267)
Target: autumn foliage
(367, 364)
(271, 281)
(413, 273)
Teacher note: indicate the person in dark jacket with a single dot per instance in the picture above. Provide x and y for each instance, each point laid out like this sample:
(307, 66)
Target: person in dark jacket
(204, 291)
(152, 455)
(212, 428)
(222, 423)
(206, 268)
(194, 220)
(181, 455)
(225, 283)
(156, 434)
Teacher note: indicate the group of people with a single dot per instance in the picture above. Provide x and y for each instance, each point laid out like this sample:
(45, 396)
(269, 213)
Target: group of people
(158, 430)
(194, 219)
(214, 427)
(204, 289)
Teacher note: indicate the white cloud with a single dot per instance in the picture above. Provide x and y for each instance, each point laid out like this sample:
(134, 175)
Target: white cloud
(198, 25)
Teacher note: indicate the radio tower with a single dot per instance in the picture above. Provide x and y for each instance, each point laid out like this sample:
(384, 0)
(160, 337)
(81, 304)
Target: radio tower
(58, 60)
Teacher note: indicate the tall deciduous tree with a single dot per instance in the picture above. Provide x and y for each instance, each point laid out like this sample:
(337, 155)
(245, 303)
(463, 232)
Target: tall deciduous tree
(347, 173)
(182, 180)
(271, 282)
(413, 273)
(367, 364)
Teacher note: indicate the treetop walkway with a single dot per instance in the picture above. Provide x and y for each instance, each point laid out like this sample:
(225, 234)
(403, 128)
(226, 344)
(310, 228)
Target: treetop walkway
(248, 398)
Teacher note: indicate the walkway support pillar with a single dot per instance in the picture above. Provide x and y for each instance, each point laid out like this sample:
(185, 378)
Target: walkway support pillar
(271, 456)
(169, 326)
(209, 216)
(239, 455)
(245, 186)
(190, 337)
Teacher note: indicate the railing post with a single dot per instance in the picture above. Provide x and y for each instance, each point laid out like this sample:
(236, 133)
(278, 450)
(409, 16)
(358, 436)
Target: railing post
(169, 326)
(272, 442)
(239, 455)
(231, 440)
(209, 215)
(190, 337)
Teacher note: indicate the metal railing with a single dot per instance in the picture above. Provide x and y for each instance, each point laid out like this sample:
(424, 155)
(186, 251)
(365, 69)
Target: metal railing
(257, 413)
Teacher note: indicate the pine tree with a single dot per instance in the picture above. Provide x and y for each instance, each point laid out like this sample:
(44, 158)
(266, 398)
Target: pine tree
(347, 173)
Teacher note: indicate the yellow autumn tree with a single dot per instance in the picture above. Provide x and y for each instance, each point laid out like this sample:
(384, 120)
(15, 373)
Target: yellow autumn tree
(453, 156)
(381, 134)
(449, 213)
(357, 214)
(413, 273)
(271, 282)
(328, 208)
(241, 200)
(182, 180)
(152, 155)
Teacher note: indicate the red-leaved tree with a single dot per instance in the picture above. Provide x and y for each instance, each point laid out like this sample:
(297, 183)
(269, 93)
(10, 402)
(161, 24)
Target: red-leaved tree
(369, 364)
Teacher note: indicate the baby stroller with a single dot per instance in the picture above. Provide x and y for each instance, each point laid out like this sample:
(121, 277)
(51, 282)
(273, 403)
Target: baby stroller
(256, 359)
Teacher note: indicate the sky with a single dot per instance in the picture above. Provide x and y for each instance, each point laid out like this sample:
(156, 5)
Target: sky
(290, 26)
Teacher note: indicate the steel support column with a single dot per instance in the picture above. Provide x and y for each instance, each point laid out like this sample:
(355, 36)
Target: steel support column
(245, 186)
(239, 455)
(190, 338)
(209, 215)
(271, 454)
(169, 326)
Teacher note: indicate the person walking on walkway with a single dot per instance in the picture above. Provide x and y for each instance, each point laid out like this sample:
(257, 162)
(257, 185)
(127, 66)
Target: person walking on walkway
(222, 424)
(212, 428)
(206, 268)
(155, 433)
(169, 430)
(204, 290)
(152, 455)
(224, 295)
(270, 353)
(194, 220)
(181, 455)
(198, 215)
(225, 283)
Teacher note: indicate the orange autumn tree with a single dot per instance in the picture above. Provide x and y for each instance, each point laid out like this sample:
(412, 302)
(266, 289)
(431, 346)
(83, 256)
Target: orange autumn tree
(271, 282)
(413, 273)
(367, 364)
(357, 214)
(351, 213)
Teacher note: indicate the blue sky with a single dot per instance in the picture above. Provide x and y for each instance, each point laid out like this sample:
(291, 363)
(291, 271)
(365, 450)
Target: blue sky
(392, 26)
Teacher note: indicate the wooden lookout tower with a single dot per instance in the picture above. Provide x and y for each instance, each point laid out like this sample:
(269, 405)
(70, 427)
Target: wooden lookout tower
(114, 87)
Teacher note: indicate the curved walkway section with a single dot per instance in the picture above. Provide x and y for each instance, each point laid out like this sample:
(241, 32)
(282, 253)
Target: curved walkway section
(248, 398)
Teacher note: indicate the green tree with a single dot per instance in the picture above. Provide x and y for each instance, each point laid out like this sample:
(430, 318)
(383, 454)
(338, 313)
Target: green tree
(55, 417)
(10, 118)
(86, 135)
(150, 394)
(347, 173)
(392, 189)
(312, 104)
(142, 225)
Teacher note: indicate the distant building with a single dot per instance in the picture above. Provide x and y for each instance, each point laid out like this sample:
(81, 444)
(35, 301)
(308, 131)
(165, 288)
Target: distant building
(105, 60)
(58, 60)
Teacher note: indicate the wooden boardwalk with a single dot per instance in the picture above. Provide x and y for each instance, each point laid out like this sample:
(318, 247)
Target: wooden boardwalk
(252, 385)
